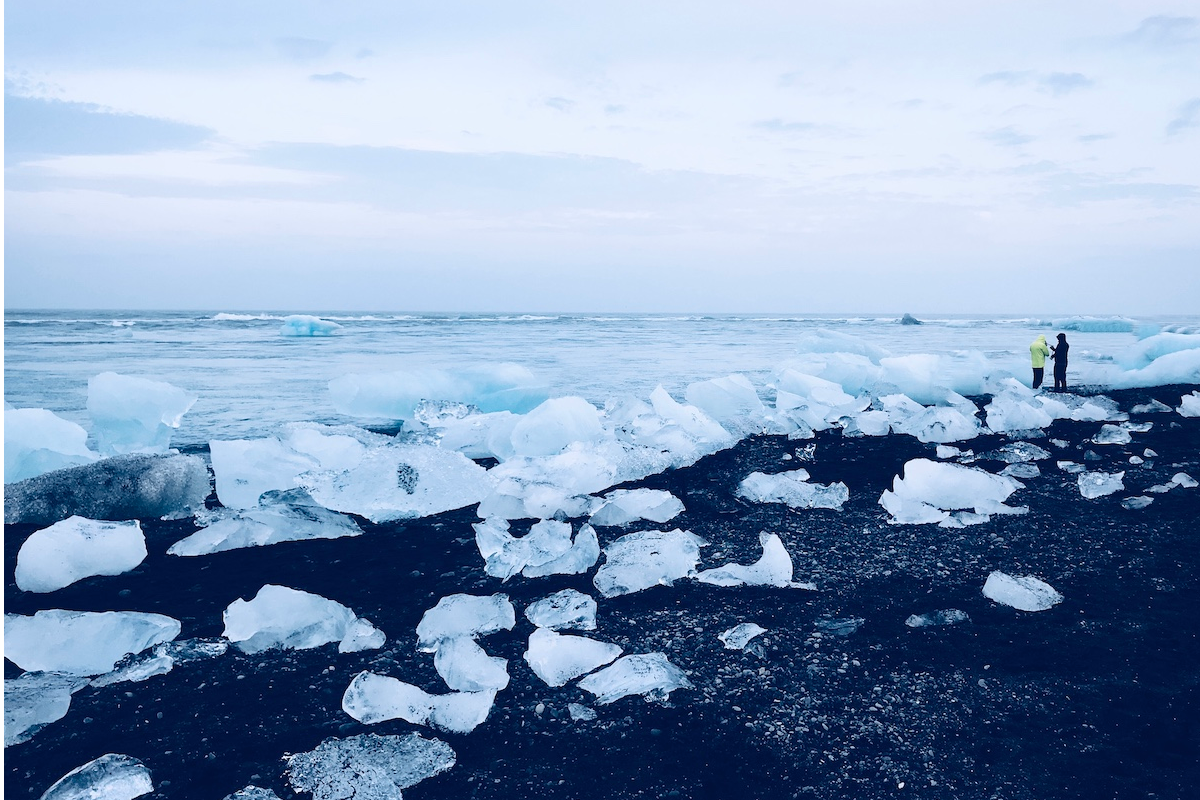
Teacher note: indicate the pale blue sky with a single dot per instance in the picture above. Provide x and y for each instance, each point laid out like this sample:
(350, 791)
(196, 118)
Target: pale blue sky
(768, 156)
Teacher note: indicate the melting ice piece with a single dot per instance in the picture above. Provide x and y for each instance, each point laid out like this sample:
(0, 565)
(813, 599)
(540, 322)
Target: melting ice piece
(737, 637)
(110, 777)
(936, 619)
(546, 550)
(1071, 467)
(35, 699)
(640, 560)
(252, 792)
(134, 415)
(773, 569)
(1184, 480)
(565, 609)
(1099, 484)
(82, 642)
(1015, 409)
(1189, 405)
(286, 618)
(649, 674)
(945, 452)
(557, 658)
(732, 401)
(281, 516)
(37, 441)
(368, 767)
(1025, 471)
(306, 325)
(581, 712)
(839, 626)
(1025, 593)
(245, 468)
(465, 667)
(161, 660)
(464, 615)
(624, 506)
(1112, 434)
(792, 488)
(1017, 453)
(372, 698)
(548, 429)
(1153, 407)
(929, 490)
(1134, 503)
(118, 488)
(78, 548)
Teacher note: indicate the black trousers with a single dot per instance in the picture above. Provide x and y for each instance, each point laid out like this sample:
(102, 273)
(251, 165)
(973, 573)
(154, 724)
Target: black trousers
(1038, 374)
(1060, 377)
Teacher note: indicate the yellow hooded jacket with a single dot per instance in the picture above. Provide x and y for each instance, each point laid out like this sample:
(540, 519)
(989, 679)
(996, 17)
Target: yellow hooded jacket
(1038, 351)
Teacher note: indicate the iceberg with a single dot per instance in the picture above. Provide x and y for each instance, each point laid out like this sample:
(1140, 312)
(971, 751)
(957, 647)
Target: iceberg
(285, 618)
(78, 548)
(640, 560)
(648, 674)
(773, 569)
(464, 615)
(623, 506)
(281, 516)
(34, 700)
(737, 637)
(1099, 484)
(1024, 593)
(82, 642)
(372, 698)
(929, 490)
(566, 609)
(305, 325)
(465, 667)
(396, 395)
(109, 777)
(793, 489)
(557, 658)
(1152, 348)
(546, 550)
(1189, 405)
(937, 619)
(1095, 324)
(37, 441)
(368, 767)
(135, 415)
(118, 488)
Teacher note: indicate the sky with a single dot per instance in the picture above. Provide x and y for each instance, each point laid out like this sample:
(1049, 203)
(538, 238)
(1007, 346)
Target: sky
(928, 156)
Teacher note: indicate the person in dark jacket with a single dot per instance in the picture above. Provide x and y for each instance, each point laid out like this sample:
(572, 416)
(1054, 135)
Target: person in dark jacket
(1059, 354)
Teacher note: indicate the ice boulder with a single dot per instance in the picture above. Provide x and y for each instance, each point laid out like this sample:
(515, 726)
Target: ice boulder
(464, 615)
(1099, 484)
(281, 516)
(774, 568)
(306, 325)
(557, 658)
(118, 488)
(793, 489)
(78, 548)
(1021, 471)
(465, 667)
(565, 609)
(1189, 405)
(937, 619)
(737, 637)
(37, 441)
(281, 617)
(1024, 593)
(82, 642)
(109, 777)
(623, 506)
(648, 674)
(548, 429)
(546, 550)
(245, 468)
(372, 698)
(396, 395)
(640, 560)
(732, 401)
(1016, 409)
(930, 490)
(34, 700)
(134, 415)
(368, 767)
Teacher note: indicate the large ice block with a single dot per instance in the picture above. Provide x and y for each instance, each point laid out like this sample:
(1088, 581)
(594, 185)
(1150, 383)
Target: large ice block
(929, 490)
(464, 615)
(465, 667)
(307, 325)
(134, 415)
(368, 767)
(623, 506)
(555, 424)
(372, 698)
(82, 642)
(281, 617)
(774, 568)
(281, 516)
(109, 777)
(640, 560)
(245, 468)
(793, 489)
(34, 700)
(557, 658)
(37, 441)
(78, 548)
(396, 395)
(648, 674)
(1025, 593)
(566, 609)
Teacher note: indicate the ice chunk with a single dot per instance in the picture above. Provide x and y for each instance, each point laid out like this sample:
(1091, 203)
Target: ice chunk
(1152, 348)
(245, 468)
(305, 325)
(640, 560)
(793, 489)
(1025, 593)
(1071, 467)
(945, 451)
(737, 637)
(134, 415)
(1014, 410)
(396, 395)
(161, 659)
(1134, 503)
(649, 674)
(372, 698)
(82, 642)
(546, 550)
(368, 767)
(280, 517)
(929, 490)
(1184, 480)
(557, 658)
(1099, 484)
(732, 401)
(1189, 405)
(1137, 460)
(109, 777)
(565, 609)
(1112, 434)
(824, 340)
(78, 548)
(253, 792)
(1026, 471)
(773, 569)
(281, 617)
(937, 619)
(464, 615)
(839, 626)
(118, 488)
(580, 712)
(1017, 453)
(1153, 407)
(624, 506)
(813, 402)
(555, 424)
(37, 441)
(35, 699)
(465, 667)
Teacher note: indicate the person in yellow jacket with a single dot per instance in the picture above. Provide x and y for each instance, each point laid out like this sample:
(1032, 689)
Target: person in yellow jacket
(1038, 352)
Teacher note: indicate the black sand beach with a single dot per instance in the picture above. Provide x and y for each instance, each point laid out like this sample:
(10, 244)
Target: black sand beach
(1098, 697)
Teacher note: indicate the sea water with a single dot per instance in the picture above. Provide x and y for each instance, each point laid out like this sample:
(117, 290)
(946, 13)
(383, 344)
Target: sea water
(250, 378)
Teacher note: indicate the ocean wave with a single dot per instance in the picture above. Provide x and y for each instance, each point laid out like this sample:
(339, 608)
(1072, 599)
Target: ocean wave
(226, 317)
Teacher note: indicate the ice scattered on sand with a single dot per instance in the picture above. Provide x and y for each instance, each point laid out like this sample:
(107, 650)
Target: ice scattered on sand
(1137, 461)
(368, 767)
(281, 516)
(1189, 405)
(581, 713)
(1112, 434)
(109, 777)
(1099, 484)
(35, 699)
(774, 568)
(252, 792)
(281, 617)
(1024, 593)
(1138, 502)
(305, 325)
(648, 674)
(372, 698)
(78, 548)
(82, 642)
(936, 619)
(396, 395)
(1071, 467)
(944, 452)
(737, 637)
(1153, 407)
(1024, 471)
(792, 489)
(557, 658)
(464, 615)
(134, 415)
(160, 660)
(37, 441)
(624, 506)
(1016, 453)
(566, 609)
(546, 550)
(465, 667)
(930, 490)
(640, 560)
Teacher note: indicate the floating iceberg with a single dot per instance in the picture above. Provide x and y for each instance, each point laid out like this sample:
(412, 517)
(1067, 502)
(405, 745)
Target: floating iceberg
(793, 489)
(396, 395)
(1024, 593)
(280, 617)
(773, 569)
(1189, 405)
(565, 609)
(624, 506)
(1095, 324)
(465, 667)
(640, 560)
(648, 674)
(464, 615)
(929, 490)
(280, 517)
(368, 767)
(35, 699)
(1099, 484)
(109, 777)
(546, 550)
(1152, 348)
(134, 415)
(305, 325)
(737, 637)
(372, 698)
(118, 488)
(82, 642)
(37, 441)
(937, 619)
(557, 658)
(78, 548)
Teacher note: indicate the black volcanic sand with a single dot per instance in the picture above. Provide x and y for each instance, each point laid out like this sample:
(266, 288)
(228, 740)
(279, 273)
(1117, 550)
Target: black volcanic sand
(1098, 697)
